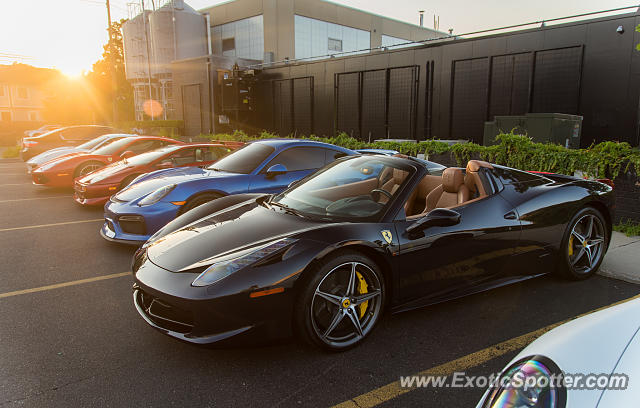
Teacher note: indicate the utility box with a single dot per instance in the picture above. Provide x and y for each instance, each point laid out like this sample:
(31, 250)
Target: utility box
(558, 128)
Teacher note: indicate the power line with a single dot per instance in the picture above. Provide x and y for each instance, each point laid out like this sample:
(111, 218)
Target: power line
(10, 55)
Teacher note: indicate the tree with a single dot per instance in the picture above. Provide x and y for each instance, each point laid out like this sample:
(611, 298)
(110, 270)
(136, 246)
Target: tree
(102, 95)
(107, 76)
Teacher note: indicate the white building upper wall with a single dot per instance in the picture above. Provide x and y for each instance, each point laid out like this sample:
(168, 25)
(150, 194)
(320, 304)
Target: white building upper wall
(280, 27)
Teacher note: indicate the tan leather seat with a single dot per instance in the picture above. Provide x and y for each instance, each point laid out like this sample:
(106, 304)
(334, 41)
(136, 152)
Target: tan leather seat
(395, 181)
(452, 192)
(473, 180)
(417, 201)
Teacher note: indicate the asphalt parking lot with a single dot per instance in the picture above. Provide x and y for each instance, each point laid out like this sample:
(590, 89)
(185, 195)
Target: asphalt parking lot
(70, 336)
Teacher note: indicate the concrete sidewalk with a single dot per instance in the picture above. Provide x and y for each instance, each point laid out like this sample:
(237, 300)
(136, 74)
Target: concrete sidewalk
(622, 261)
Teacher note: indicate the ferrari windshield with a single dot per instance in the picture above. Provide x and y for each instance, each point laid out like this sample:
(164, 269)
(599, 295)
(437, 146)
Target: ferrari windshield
(98, 142)
(355, 189)
(113, 147)
(148, 157)
(244, 160)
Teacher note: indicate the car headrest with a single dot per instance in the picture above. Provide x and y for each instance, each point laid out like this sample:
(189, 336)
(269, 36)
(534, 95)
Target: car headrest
(452, 179)
(399, 175)
(475, 165)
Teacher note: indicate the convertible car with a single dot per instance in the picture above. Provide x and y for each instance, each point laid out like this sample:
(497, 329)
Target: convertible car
(61, 172)
(329, 254)
(265, 166)
(96, 188)
(93, 144)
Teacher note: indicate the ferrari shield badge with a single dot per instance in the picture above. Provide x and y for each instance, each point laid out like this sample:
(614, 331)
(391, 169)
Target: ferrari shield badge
(386, 234)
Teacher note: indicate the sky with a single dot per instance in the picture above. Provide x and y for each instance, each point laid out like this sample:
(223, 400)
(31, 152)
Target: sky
(69, 34)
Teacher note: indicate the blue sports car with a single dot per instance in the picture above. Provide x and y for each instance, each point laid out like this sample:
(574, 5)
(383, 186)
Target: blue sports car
(265, 166)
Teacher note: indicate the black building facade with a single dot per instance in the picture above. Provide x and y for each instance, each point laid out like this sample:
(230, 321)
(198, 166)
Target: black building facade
(448, 89)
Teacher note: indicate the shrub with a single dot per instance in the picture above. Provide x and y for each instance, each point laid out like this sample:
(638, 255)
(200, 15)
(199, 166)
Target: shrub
(606, 159)
(150, 124)
(166, 128)
(628, 227)
(11, 152)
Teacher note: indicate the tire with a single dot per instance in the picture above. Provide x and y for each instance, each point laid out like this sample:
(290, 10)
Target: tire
(87, 167)
(584, 244)
(199, 200)
(340, 302)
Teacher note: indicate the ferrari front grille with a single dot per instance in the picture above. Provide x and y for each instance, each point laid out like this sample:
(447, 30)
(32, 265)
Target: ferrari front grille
(164, 314)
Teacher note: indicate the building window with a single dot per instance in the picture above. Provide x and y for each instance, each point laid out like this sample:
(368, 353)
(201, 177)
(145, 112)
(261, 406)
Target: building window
(335, 45)
(316, 38)
(241, 38)
(5, 116)
(33, 116)
(22, 92)
(2, 90)
(228, 44)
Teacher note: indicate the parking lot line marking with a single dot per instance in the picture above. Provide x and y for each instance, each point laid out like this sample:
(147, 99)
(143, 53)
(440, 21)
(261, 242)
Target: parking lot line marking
(14, 184)
(63, 285)
(31, 199)
(394, 390)
(50, 225)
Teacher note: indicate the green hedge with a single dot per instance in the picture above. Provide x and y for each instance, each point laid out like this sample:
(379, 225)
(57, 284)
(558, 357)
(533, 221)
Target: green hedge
(10, 152)
(150, 124)
(166, 128)
(628, 227)
(606, 159)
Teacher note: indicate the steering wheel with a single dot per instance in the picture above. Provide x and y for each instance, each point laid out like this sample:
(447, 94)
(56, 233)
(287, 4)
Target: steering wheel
(379, 190)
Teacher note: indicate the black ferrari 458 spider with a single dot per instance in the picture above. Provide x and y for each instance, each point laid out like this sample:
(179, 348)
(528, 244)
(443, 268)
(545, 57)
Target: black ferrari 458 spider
(328, 256)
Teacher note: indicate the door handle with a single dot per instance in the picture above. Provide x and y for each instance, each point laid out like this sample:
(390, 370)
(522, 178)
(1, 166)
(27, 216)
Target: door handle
(511, 215)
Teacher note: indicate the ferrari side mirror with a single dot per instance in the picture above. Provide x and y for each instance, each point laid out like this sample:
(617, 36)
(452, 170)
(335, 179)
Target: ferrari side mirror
(439, 217)
(276, 170)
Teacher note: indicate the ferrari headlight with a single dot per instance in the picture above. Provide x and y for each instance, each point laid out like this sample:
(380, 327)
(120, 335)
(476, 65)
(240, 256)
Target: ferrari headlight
(156, 195)
(533, 382)
(224, 268)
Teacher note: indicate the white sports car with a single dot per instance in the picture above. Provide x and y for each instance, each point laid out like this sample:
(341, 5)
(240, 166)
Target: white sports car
(593, 361)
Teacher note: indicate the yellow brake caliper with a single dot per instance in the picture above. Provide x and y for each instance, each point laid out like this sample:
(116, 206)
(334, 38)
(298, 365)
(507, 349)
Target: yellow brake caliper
(571, 245)
(362, 289)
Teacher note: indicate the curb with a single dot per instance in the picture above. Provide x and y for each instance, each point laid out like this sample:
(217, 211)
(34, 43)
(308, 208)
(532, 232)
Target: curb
(622, 259)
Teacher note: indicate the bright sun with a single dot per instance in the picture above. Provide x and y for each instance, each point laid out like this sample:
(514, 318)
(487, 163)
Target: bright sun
(71, 71)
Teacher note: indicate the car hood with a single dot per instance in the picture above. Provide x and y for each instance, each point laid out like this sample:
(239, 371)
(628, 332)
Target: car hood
(53, 154)
(153, 181)
(106, 172)
(60, 160)
(233, 229)
(602, 336)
